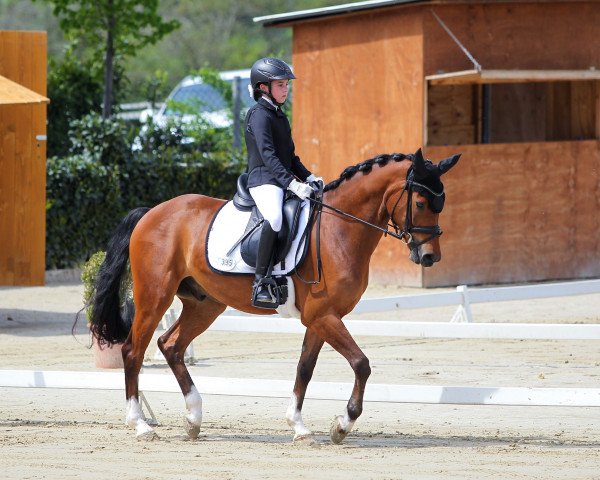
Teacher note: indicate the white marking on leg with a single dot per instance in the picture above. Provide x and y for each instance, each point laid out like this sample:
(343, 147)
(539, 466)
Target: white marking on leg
(135, 418)
(294, 419)
(193, 402)
(345, 422)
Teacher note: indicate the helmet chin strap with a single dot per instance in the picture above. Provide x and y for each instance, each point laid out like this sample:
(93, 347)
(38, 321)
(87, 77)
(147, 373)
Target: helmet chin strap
(270, 95)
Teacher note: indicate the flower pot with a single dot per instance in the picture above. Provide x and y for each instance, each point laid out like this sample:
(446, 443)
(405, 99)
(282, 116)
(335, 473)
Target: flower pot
(107, 356)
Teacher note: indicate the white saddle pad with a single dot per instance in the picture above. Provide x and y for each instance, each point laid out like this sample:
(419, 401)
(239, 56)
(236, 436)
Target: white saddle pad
(229, 226)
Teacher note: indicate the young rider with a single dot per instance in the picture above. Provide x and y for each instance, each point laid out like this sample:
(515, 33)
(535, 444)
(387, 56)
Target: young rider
(273, 165)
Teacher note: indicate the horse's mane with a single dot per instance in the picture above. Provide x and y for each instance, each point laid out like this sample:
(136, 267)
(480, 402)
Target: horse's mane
(366, 166)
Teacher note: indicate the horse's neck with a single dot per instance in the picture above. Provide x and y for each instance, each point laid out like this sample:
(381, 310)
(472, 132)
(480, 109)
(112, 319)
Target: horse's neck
(365, 197)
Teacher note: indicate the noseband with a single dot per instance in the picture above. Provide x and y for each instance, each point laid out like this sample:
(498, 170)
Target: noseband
(405, 233)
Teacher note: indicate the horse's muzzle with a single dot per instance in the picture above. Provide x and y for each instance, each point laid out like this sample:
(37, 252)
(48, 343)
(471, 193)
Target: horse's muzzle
(423, 258)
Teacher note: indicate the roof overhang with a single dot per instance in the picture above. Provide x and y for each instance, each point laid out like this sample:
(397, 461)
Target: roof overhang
(314, 13)
(511, 76)
(11, 93)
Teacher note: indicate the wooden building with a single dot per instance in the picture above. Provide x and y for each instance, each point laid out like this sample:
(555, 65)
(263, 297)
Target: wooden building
(513, 85)
(22, 157)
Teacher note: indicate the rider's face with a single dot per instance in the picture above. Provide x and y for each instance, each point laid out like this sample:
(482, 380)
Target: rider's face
(279, 90)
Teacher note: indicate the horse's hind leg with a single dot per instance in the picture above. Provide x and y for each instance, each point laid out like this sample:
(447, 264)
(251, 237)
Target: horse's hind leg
(311, 346)
(151, 304)
(196, 317)
(331, 329)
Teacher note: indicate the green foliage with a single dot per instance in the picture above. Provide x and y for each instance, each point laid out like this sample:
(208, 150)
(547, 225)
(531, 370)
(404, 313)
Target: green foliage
(82, 199)
(90, 191)
(111, 30)
(99, 139)
(155, 87)
(89, 273)
(67, 80)
(132, 23)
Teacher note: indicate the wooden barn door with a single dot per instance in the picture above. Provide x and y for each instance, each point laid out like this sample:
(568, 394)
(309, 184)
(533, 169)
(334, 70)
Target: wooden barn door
(22, 194)
(23, 158)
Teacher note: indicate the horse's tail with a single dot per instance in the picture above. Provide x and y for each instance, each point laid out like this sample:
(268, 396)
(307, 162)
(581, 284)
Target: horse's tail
(108, 323)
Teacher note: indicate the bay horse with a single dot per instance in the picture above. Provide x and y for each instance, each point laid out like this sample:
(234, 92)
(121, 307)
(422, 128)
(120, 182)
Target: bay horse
(165, 247)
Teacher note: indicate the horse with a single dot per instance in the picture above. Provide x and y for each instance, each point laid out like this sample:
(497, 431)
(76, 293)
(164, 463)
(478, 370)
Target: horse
(165, 248)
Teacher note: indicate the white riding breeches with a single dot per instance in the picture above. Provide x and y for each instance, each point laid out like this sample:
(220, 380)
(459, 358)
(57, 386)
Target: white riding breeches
(269, 200)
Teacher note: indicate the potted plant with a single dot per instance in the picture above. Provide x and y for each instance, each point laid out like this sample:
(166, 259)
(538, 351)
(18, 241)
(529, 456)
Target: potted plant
(105, 356)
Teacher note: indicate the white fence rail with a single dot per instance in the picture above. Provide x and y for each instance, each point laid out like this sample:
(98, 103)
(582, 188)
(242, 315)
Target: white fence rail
(432, 394)
(463, 297)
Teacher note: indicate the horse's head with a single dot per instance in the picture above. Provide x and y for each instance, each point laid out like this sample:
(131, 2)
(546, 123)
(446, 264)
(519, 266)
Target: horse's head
(425, 201)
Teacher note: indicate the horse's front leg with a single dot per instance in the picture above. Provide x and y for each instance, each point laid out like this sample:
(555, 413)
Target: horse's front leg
(331, 329)
(311, 346)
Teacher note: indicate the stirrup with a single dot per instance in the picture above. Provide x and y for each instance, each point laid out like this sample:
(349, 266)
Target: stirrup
(268, 284)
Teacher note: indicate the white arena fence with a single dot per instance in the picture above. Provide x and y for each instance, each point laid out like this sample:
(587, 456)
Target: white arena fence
(246, 387)
(461, 324)
(462, 297)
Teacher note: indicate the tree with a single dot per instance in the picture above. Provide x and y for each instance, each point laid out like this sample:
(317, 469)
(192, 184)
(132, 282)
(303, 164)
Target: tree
(112, 30)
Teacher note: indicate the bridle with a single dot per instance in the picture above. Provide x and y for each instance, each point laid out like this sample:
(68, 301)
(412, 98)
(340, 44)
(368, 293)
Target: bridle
(405, 234)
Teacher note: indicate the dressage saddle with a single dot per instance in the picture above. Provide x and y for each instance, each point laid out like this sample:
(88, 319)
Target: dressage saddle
(292, 207)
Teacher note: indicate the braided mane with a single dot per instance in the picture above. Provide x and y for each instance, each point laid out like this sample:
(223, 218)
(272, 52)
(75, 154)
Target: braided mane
(366, 167)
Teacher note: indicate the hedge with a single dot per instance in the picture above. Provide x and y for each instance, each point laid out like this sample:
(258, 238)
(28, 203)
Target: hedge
(90, 191)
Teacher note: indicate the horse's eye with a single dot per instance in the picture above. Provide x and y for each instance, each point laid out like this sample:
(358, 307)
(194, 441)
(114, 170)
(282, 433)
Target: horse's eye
(420, 205)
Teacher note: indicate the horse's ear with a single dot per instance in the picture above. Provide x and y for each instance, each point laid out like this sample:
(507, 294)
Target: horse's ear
(447, 163)
(419, 165)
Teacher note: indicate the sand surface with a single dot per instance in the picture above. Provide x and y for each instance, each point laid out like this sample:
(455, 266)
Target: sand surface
(80, 434)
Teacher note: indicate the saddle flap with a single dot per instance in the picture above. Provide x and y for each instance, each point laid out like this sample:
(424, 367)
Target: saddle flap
(292, 208)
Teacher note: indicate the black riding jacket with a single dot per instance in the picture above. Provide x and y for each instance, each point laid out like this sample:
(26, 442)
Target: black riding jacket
(271, 153)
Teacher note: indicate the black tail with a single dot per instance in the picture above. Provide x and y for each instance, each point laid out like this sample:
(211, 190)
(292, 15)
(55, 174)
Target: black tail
(108, 322)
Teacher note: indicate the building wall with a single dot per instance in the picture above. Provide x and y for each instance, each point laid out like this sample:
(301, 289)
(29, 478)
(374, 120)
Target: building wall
(359, 93)
(23, 163)
(515, 211)
(536, 35)
(518, 213)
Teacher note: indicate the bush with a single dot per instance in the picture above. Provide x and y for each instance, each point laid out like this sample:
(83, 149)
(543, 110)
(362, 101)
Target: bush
(83, 206)
(66, 82)
(89, 272)
(103, 140)
(90, 191)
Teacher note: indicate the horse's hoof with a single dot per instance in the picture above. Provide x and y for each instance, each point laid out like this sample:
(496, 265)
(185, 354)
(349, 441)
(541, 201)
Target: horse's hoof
(148, 436)
(305, 439)
(337, 433)
(191, 429)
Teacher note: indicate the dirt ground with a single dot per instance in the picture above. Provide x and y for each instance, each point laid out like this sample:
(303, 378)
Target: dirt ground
(80, 434)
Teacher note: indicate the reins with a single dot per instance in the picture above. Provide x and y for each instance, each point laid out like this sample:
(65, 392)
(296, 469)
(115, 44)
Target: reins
(404, 234)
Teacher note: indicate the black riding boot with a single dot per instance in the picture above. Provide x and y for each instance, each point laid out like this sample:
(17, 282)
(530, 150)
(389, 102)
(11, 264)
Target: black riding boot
(261, 297)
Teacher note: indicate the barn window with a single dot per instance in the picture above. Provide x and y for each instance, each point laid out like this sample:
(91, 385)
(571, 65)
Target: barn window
(502, 106)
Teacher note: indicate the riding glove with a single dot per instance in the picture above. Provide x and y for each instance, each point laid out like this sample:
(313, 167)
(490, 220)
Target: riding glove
(315, 182)
(301, 189)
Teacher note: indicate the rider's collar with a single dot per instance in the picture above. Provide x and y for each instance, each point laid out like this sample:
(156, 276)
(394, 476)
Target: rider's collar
(270, 101)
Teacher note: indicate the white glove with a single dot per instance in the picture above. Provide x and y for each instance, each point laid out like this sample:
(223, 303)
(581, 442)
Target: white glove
(301, 189)
(312, 178)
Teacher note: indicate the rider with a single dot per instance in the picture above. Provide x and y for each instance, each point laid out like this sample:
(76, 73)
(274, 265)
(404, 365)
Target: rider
(273, 165)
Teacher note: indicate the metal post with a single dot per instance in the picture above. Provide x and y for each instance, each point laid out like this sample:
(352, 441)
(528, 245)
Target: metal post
(237, 107)
(486, 113)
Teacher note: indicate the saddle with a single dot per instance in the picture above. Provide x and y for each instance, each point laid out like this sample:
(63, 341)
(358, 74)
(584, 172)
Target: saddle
(292, 208)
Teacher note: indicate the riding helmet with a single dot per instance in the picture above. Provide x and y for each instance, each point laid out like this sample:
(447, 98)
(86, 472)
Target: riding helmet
(266, 70)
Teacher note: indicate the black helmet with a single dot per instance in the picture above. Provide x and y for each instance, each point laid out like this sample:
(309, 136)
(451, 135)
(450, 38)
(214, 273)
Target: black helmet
(267, 69)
